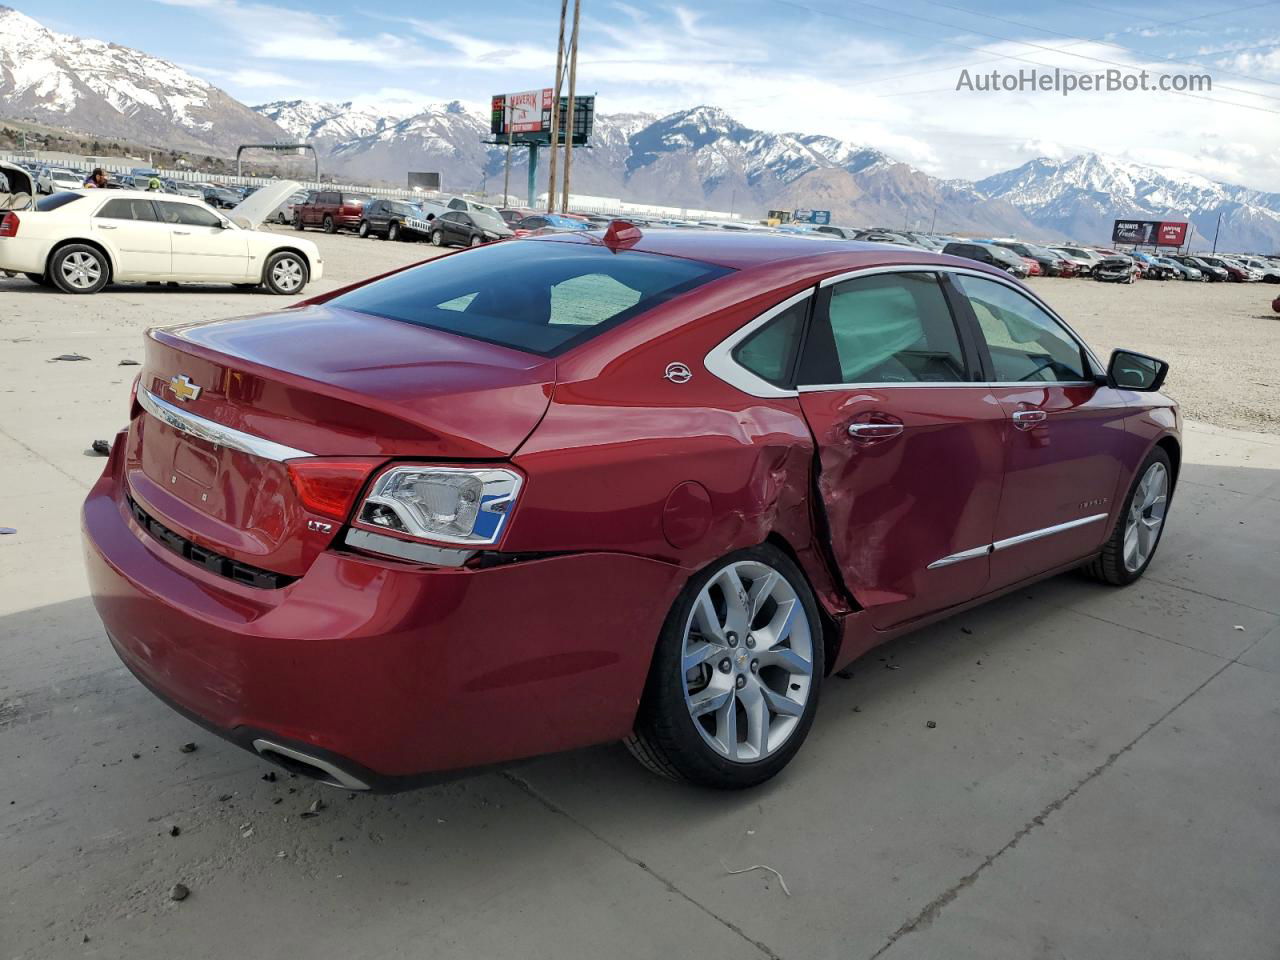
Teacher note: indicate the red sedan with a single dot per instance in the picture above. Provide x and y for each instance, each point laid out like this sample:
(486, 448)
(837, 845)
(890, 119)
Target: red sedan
(555, 492)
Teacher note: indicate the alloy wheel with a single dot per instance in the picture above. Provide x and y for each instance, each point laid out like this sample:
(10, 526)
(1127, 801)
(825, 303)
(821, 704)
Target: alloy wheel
(287, 274)
(747, 661)
(1146, 517)
(81, 270)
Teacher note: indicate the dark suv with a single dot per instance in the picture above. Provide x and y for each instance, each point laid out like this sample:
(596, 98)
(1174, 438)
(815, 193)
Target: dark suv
(990, 254)
(331, 210)
(395, 220)
(1051, 264)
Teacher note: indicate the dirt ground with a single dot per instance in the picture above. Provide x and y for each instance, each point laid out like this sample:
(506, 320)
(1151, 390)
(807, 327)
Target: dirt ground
(1069, 771)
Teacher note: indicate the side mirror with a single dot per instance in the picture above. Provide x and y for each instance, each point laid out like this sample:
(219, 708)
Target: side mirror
(1136, 371)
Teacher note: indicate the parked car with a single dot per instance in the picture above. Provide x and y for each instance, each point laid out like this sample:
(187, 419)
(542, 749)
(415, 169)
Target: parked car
(1153, 268)
(991, 255)
(221, 198)
(1212, 273)
(331, 210)
(56, 179)
(1083, 259)
(1117, 269)
(843, 233)
(1052, 264)
(467, 229)
(1033, 267)
(79, 241)
(1236, 272)
(513, 215)
(543, 221)
(517, 511)
(183, 189)
(395, 220)
(1268, 271)
(284, 212)
(1180, 270)
(886, 236)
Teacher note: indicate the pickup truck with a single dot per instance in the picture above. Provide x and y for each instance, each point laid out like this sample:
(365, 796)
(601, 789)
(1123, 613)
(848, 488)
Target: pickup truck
(331, 210)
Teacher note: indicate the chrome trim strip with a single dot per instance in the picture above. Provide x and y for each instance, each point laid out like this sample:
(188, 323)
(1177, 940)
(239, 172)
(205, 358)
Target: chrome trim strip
(216, 433)
(1046, 531)
(403, 549)
(985, 384)
(720, 363)
(963, 555)
(339, 777)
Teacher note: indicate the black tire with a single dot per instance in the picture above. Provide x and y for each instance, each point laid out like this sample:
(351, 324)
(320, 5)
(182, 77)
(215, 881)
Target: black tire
(60, 268)
(393, 231)
(1109, 566)
(42, 279)
(297, 221)
(282, 281)
(329, 225)
(476, 240)
(437, 238)
(666, 739)
(363, 230)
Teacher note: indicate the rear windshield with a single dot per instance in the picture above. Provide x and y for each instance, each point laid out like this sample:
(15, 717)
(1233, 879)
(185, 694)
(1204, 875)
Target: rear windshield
(55, 200)
(538, 296)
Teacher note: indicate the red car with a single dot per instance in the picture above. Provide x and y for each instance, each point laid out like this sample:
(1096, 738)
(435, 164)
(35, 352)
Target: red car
(555, 492)
(1033, 267)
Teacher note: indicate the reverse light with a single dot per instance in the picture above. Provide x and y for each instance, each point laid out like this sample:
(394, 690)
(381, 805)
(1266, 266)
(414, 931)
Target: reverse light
(9, 224)
(329, 487)
(444, 504)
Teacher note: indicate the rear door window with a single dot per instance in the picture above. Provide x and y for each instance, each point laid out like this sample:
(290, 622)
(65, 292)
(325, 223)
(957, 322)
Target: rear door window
(885, 328)
(122, 208)
(187, 214)
(540, 297)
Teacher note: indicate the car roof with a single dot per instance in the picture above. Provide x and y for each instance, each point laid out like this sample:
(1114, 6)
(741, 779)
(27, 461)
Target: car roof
(744, 250)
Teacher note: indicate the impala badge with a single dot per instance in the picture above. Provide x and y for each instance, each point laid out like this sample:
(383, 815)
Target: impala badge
(678, 373)
(183, 388)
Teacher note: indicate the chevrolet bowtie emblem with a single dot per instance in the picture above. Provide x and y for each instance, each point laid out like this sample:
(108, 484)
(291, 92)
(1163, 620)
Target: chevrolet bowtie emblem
(183, 388)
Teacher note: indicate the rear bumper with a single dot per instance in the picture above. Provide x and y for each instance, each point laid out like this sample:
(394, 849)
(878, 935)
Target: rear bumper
(394, 672)
(23, 254)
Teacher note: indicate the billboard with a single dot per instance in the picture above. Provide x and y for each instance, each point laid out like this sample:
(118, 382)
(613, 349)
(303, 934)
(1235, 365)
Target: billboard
(526, 117)
(424, 181)
(820, 217)
(1156, 233)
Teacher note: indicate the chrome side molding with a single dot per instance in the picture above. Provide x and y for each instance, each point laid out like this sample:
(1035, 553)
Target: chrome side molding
(1008, 542)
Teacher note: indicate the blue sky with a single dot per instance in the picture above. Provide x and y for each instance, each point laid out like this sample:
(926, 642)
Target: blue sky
(878, 72)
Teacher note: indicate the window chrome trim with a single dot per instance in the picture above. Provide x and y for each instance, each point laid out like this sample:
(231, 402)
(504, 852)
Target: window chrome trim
(1046, 532)
(720, 363)
(216, 433)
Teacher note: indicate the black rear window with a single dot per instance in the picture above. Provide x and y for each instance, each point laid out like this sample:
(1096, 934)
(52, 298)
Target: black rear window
(538, 296)
(55, 200)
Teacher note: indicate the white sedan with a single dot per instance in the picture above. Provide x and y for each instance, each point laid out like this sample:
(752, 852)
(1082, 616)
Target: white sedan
(80, 240)
(53, 179)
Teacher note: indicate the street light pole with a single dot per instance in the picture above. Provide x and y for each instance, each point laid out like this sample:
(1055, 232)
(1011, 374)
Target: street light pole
(1215, 232)
(568, 124)
(555, 114)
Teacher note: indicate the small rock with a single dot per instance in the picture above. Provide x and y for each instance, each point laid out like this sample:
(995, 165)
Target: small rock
(101, 447)
(269, 776)
(136, 756)
(857, 709)
(187, 748)
(224, 797)
(179, 891)
(930, 724)
(174, 830)
(280, 854)
(893, 666)
(966, 630)
(127, 363)
(86, 939)
(316, 806)
(246, 834)
(1240, 628)
(69, 357)
(845, 674)
(278, 800)
(979, 663)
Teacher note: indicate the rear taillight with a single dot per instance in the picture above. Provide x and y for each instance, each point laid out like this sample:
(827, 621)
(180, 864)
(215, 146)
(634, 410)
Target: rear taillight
(9, 225)
(330, 487)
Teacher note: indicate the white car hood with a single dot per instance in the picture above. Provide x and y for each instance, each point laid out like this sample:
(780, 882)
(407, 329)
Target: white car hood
(253, 210)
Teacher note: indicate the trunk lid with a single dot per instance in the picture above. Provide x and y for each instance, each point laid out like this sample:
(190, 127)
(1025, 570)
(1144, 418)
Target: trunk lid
(321, 381)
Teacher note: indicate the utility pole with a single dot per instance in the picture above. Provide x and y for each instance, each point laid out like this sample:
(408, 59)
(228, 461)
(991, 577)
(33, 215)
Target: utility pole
(1215, 232)
(934, 222)
(573, 76)
(506, 177)
(555, 111)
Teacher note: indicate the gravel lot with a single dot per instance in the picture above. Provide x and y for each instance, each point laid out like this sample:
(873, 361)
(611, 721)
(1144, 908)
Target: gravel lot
(1071, 771)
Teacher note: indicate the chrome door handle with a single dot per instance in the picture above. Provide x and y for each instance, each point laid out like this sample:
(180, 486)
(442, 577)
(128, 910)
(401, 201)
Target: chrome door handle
(874, 431)
(106, 226)
(182, 233)
(1026, 419)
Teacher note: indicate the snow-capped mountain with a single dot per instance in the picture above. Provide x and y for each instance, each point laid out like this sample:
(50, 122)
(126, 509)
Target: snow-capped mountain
(1080, 197)
(328, 124)
(108, 90)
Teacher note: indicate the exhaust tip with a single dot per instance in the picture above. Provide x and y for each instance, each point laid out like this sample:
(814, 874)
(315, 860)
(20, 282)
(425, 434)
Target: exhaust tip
(303, 764)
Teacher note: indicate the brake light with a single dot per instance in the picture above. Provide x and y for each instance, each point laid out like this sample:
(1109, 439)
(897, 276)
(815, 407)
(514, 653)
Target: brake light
(9, 225)
(330, 487)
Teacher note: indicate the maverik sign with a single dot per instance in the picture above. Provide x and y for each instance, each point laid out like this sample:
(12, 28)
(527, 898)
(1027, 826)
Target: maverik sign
(1156, 233)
